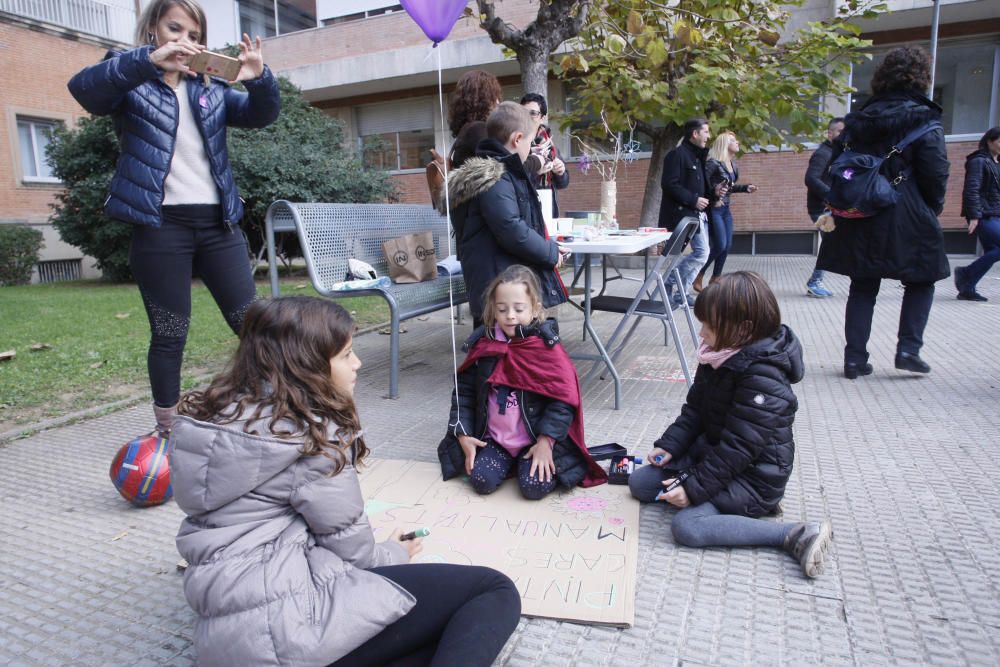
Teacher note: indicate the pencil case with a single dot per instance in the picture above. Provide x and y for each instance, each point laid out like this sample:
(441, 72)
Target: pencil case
(601, 452)
(621, 468)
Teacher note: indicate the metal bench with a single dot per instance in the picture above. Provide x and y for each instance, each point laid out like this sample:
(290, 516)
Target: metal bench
(330, 234)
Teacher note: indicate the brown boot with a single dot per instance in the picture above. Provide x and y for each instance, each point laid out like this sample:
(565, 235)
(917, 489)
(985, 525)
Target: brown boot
(696, 285)
(164, 419)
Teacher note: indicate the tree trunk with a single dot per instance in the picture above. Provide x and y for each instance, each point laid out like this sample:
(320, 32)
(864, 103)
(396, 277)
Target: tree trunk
(664, 141)
(534, 71)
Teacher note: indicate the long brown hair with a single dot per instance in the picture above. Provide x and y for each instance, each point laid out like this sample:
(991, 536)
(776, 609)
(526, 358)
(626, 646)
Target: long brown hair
(145, 27)
(476, 94)
(283, 365)
(740, 308)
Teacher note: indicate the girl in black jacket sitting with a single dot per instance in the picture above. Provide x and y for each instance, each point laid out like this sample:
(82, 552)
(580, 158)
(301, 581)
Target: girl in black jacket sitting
(727, 457)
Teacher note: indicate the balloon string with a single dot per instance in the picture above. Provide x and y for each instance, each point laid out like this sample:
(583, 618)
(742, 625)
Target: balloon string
(451, 278)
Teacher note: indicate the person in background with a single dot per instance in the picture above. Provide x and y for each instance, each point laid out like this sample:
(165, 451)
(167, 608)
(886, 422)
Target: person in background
(686, 194)
(496, 214)
(547, 170)
(173, 181)
(722, 169)
(817, 186)
(902, 241)
(981, 208)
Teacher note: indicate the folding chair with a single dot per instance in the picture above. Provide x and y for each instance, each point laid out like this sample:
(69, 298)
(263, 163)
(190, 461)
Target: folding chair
(652, 300)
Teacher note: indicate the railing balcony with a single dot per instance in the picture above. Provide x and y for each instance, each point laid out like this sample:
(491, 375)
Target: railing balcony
(110, 19)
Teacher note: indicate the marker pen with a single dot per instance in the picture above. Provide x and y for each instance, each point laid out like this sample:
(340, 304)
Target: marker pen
(419, 532)
(673, 485)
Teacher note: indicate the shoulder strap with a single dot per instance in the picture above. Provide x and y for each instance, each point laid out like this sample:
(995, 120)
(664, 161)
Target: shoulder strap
(915, 134)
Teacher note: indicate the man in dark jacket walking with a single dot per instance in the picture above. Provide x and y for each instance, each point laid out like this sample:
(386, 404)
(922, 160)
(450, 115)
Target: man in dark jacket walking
(686, 194)
(817, 187)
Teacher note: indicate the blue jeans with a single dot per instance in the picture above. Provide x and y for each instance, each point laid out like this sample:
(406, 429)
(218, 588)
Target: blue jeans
(703, 525)
(720, 231)
(691, 264)
(988, 231)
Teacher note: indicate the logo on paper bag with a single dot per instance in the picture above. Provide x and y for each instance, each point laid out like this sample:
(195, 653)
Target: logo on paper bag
(423, 253)
(401, 258)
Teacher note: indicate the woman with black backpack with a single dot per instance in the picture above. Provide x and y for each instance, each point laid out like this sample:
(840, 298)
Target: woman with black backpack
(902, 241)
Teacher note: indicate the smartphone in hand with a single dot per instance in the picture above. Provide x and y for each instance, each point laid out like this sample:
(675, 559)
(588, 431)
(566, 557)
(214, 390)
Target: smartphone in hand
(215, 64)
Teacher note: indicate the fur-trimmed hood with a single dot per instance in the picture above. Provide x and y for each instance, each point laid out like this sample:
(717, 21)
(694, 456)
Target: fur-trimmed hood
(473, 178)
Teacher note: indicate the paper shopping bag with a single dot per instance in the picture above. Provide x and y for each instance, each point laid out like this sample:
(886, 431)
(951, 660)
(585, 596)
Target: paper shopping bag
(411, 258)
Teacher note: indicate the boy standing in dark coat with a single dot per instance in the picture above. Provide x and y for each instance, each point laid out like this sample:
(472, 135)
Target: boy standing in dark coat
(817, 188)
(496, 213)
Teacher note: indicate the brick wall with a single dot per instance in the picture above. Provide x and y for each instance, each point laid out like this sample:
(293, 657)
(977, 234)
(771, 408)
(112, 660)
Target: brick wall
(778, 205)
(35, 68)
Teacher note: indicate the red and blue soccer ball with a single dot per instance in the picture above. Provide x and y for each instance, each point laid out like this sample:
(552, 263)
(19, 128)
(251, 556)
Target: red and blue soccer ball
(140, 471)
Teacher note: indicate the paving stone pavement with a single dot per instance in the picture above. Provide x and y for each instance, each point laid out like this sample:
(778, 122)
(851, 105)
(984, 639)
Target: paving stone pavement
(906, 467)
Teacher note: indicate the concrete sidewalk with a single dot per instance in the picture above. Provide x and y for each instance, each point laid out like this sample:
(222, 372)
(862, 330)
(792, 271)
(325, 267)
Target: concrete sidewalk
(905, 466)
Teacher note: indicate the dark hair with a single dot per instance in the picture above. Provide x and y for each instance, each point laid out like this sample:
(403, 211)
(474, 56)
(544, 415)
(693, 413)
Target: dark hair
(537, 99)
(904, 70)
(517, 274)
(834, 121)
(693, 125)
(740, 308)
(474, 97)
(992, 134)
(283, 364)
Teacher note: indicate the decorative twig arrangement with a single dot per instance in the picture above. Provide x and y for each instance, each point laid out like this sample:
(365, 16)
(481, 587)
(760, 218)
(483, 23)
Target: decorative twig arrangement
(606, 162)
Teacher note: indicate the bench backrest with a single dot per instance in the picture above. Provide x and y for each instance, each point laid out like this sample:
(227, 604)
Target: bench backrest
(332, 233)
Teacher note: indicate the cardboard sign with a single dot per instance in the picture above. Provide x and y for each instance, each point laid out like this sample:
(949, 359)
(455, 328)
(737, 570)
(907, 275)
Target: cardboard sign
(572, 555)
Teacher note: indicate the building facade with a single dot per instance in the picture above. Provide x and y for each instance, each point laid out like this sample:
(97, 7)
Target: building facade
(367, 63)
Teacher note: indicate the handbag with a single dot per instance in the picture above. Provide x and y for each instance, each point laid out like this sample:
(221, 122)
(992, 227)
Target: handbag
(412, 258)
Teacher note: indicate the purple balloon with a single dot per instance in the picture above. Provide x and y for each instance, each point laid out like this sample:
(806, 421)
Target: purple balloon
(435, 17)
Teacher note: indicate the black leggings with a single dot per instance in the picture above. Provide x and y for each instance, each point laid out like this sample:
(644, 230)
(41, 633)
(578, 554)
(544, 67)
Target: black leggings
(463, 617)
(191, 241)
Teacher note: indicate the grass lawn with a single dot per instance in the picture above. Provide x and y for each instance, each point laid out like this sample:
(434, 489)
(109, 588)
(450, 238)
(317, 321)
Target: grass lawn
(98, 335)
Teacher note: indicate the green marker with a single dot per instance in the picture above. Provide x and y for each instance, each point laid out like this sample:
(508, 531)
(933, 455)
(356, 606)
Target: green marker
(419, 532)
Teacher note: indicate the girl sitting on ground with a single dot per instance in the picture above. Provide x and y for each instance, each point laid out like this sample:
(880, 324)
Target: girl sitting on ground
(517, 408)
(727, 457)
(283, 568)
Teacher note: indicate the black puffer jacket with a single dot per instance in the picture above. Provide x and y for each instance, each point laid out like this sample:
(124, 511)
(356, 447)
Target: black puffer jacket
(542, 415)
(981, 194)
(818, 178)
(903, 241)
(734, 433)
(684, 180)
(498, 222)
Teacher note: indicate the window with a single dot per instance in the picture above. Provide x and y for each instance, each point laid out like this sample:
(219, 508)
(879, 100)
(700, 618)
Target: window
(268, 18)
(965, 85)
(33, 135)
(397, 135)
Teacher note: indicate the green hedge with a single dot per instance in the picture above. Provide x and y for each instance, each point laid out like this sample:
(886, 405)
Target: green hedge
(19, 246)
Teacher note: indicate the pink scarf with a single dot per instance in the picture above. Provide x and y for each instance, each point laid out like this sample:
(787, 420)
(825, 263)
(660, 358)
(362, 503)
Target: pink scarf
(715, 358)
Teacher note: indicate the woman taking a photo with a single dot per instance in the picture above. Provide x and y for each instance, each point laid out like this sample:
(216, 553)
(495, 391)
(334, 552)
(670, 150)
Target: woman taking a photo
(981, 207)
(721, 168)
(173, 182)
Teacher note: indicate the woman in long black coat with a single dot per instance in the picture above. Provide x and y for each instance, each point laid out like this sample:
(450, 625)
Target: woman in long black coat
(904, 241)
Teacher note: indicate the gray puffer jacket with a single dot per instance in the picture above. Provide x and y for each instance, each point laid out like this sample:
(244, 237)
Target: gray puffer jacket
(278, 550)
